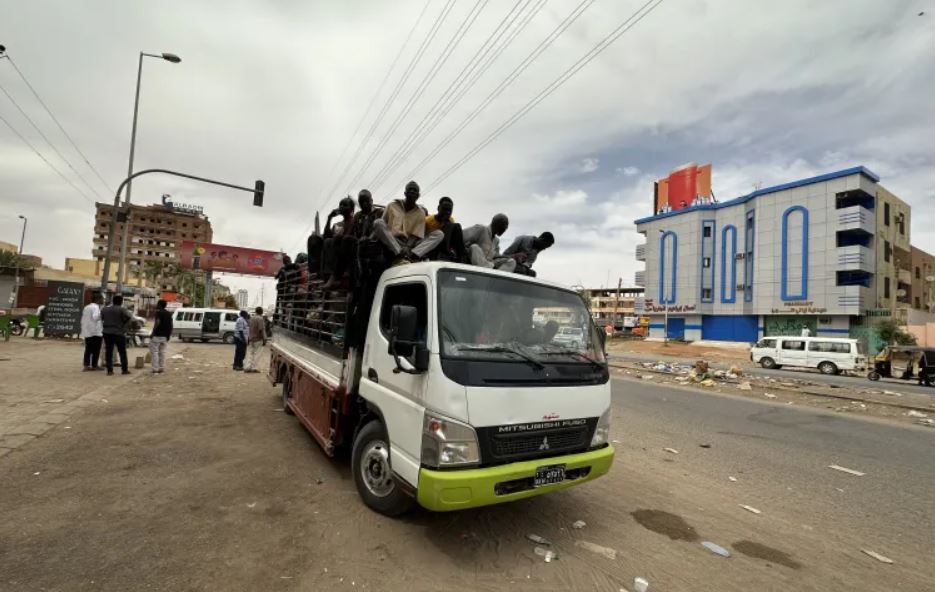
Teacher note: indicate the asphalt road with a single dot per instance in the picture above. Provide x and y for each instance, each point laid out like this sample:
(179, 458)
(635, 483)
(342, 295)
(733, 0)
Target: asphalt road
(861, 382)
(193, 480)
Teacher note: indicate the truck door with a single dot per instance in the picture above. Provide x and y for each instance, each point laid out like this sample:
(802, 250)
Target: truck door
(398, 395)
(211, 324)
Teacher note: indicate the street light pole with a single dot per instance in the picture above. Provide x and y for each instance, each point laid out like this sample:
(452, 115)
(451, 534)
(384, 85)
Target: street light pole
(169, 57)
(22, 239)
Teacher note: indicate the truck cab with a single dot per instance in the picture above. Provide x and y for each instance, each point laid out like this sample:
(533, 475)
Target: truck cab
(457, 394)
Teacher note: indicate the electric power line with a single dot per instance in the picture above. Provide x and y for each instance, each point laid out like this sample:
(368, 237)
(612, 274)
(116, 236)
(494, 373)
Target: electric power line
(511, 77)
(425, 83)
(60, 127)
(44, 137)
(472, 74)
(44, 159)
(452, 89)
(606, 42)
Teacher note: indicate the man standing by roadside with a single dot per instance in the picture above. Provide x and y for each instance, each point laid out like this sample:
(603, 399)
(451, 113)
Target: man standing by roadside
(92, 331)
(159, 340)
(115, 319)
(257, 339)
(241, 333)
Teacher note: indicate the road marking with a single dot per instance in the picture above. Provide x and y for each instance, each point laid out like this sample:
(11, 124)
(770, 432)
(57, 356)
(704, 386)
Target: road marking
(846, 470)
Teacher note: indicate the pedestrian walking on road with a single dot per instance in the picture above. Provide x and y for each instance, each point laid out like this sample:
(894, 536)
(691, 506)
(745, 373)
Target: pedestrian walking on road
(256, 339)
(159, 340)
(92, 331)
(241, 336)
(115, 319)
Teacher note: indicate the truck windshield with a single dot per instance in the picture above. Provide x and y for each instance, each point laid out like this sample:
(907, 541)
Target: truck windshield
(490, 317)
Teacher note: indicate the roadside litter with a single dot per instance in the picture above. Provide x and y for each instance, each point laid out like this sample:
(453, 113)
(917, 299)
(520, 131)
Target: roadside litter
(917, 414)
(750, 509)
(594, 548)
(640, 584)
(732, 479)
(177, 357)
(671, 450)
(877, 556)
(846, 470)
(705, 445)
(716, 549)
(769, 395)
(927, 422)
(547, 554)
(579, 524)
(539, 540)
(745, 386)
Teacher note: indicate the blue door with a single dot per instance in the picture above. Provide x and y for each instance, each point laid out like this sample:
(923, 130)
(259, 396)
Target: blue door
(676, 329)
(729, 328)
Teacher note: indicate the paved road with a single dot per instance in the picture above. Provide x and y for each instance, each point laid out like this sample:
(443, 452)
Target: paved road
(193, 480)
(861, 382)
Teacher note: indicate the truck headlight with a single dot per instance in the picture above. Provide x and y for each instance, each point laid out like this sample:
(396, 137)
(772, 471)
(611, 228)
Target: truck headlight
(448, 443)
(602, 431)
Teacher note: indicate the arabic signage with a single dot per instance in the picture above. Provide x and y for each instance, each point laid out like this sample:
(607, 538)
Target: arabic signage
(650, 306)
(63, 310)
(213, 257)
(802, 307)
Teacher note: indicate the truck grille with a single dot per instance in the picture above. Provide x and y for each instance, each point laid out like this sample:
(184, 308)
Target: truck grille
(545, 439)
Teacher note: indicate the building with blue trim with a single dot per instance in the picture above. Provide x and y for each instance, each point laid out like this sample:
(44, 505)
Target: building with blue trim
(830, 253)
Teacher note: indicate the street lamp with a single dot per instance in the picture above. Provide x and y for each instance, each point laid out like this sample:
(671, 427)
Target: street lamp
(665, 326)
(169, 57)
(22, 239)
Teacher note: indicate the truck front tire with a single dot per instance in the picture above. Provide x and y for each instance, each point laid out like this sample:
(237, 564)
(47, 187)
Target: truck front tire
(373, 476)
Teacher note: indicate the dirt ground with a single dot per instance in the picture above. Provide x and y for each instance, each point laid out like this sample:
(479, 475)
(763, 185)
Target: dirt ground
(678, 349)
(196, 480)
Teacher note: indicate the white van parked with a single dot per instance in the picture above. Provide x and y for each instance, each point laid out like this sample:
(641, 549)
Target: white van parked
(830, 355)
(205, 324)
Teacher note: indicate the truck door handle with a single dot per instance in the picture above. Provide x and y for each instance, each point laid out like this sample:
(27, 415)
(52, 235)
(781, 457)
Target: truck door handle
(372, 375)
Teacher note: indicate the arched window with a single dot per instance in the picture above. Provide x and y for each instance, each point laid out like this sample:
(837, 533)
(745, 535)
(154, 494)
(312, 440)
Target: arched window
(729, 264)
(668, 266)
(794, 281)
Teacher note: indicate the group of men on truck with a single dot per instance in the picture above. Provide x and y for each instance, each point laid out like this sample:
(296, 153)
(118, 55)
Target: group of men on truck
(409, 234)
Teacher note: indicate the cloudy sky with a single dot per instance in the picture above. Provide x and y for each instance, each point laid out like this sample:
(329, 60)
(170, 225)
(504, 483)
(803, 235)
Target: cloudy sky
(767, 92)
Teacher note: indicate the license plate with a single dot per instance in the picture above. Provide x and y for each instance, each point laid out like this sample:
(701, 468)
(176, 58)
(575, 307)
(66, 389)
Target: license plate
(549, 475)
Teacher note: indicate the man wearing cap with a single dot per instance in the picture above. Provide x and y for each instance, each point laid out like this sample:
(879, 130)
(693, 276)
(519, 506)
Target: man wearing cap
(483, 244)
(402, 228)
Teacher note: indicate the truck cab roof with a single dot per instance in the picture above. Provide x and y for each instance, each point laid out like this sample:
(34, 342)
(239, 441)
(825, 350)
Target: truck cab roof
(430, 268)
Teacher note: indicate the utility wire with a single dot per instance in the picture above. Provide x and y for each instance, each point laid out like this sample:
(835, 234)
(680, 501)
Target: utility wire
(473, 74)
(44, 137)
(404, 148)
(511, 77)
(606, 42)
(60, 127)
(427, 80)
(44, 159)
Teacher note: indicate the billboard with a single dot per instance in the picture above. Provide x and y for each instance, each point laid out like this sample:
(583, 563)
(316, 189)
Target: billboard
(213, 257)
(684, 187)
(63, 310)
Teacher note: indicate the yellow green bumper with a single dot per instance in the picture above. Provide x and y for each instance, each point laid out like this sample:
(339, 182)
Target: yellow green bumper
(443, 491)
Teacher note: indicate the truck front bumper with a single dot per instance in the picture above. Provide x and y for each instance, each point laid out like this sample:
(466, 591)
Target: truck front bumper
(443, 491)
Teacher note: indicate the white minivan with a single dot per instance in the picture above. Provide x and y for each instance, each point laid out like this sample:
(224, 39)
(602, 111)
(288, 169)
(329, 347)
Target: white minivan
(204, 324)
(830, 355)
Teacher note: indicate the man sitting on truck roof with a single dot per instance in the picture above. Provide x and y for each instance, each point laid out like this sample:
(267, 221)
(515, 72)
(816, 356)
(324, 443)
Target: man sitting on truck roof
(526, 248)
(452, 247)
(483, 244)
(340, 243)
(402, 228)
(364, 219)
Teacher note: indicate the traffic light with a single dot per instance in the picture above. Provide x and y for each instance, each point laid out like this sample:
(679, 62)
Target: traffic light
(258, 189)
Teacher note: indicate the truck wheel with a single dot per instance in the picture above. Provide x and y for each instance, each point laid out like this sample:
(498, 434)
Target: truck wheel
(370, 462)
(228, 338)
(768, 363)
(827, 368)
(873, 375)
(286, 395)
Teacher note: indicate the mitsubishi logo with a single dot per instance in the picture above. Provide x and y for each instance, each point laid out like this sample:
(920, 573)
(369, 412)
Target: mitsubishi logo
(545, 444)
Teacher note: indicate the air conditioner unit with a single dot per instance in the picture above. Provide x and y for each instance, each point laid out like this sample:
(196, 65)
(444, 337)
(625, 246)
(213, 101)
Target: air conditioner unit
(740, 287)
(740, 256)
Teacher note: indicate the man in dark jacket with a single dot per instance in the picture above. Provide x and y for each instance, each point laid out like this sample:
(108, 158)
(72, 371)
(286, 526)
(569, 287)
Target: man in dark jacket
(115, 319)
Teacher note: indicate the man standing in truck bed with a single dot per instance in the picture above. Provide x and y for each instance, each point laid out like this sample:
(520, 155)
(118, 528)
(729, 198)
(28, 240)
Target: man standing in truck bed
(402, 228)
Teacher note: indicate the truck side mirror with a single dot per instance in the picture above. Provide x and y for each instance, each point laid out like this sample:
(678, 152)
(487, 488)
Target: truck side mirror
(404, 323)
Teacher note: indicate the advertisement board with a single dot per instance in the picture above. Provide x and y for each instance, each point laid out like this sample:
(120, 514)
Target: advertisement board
(214, 257)
(63, 310)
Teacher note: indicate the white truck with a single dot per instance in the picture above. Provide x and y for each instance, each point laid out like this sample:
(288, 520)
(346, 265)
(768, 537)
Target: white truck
(443, 387)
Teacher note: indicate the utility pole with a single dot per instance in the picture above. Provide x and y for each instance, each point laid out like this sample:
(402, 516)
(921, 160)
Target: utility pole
(617, 301)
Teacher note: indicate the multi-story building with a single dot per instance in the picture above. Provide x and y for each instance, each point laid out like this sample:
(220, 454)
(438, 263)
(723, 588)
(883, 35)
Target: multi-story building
(156, 235)
(829, 253)
(922, 289)
(610, 306)
(243, 301)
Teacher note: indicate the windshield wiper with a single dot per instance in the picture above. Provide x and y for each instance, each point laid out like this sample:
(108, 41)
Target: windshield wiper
(575, 354)
(505, 350)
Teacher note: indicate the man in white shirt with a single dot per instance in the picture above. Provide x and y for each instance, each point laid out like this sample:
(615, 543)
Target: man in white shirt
(92, 331)
(483, 244)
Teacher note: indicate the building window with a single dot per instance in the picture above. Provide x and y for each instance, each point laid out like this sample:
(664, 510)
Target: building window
(886, 287)
(706, 294)
(707, 231)
(748, 242)
(886, 251)
(918, 273)
(728, 263)
(886, 214)
(706, 262)
(794, 268)
(917, 303)
(668, 266)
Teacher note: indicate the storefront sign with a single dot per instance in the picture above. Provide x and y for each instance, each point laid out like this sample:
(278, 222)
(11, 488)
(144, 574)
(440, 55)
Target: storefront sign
(804, 307)
(650, 306)
(63, 310)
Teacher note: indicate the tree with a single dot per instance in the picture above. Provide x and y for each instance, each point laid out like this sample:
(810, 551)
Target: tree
(891, 333)
(230, 301)
(11, 260)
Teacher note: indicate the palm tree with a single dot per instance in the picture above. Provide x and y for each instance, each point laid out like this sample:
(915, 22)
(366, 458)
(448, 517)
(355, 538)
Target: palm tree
(11, 260)
(156, 271)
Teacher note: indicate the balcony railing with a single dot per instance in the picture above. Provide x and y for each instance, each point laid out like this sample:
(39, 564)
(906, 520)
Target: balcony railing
(641, 252)
(639, 278)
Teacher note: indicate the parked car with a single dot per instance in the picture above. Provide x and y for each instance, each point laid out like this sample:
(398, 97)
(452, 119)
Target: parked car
(571, 336)
(204, 324)
(830, 355)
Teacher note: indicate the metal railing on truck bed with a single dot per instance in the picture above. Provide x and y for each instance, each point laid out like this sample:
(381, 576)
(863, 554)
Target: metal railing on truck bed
(316, 315)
